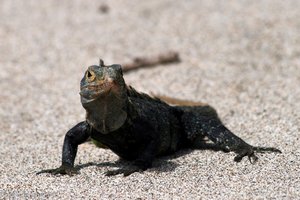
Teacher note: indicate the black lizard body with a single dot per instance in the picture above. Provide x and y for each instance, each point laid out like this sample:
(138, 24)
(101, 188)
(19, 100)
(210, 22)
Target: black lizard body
(138, 127)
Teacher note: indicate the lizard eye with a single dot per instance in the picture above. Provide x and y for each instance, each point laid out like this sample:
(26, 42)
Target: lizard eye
(90, 75)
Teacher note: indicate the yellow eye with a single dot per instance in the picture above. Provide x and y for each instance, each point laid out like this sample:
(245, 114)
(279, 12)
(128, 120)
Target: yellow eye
(90, 75)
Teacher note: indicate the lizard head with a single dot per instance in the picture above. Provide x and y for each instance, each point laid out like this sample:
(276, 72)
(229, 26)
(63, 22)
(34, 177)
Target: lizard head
(100, 81)
(104, 96)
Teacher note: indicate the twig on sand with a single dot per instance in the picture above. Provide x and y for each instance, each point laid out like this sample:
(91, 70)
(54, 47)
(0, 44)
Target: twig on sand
(141, 62)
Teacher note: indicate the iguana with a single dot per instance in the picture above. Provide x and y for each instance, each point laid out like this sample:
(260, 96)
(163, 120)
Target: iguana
(139, 128)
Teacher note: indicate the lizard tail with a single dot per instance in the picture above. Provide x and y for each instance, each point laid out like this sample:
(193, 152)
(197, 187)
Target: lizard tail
(178, 102)
(266, 149)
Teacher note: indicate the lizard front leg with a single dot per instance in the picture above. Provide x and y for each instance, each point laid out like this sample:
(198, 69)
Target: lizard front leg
(74, 137)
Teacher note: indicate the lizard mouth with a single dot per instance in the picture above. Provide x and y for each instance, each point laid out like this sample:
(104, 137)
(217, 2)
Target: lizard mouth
(93, 91)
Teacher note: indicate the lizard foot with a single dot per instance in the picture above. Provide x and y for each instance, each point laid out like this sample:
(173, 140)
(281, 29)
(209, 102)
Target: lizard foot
(251, 156)
(63, 170)
(125, 172)
(250, 153)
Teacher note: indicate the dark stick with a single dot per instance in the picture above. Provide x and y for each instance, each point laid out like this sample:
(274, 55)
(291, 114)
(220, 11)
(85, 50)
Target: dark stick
(140, 62)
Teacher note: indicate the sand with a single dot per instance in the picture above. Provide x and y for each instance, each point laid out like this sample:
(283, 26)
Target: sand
(242, 57)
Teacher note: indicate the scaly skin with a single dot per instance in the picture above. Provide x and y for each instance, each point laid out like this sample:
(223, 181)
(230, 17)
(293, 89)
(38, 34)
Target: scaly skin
(138, 127)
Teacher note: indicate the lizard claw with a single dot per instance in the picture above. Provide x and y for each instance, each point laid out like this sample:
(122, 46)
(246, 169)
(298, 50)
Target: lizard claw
(266, 149)
(252, 158)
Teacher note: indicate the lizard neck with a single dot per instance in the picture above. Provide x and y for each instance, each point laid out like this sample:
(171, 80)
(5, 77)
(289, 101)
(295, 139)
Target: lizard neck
(108, 113)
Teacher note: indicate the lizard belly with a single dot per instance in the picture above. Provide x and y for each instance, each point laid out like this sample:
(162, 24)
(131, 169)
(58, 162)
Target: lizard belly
(119, 143)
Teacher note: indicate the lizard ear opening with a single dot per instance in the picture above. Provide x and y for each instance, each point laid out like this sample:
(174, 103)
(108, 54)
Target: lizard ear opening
(101, 63)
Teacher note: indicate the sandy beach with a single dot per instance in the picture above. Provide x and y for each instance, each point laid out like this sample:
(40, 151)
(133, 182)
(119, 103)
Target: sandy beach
(241, 57)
